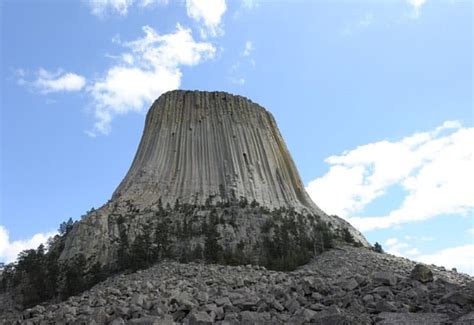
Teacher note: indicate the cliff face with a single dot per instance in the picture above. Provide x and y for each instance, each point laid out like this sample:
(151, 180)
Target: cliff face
(201, 144)
(208, 163)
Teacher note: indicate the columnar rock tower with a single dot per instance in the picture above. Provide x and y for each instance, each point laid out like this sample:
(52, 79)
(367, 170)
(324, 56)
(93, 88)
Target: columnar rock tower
(198, 144)
(203, 150)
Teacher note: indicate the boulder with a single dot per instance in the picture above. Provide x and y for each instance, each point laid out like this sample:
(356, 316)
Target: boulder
(384, 292)
(223, 301)
(308, 314)
(250, 317)
(384, 278)
(117, 321)
(422, 273)
(465, 319)
(145, 321)
(199, 318)
(456, 297)
(350, 284)
(184, 300)
(388, 318)
(292, 305)
(386, 306)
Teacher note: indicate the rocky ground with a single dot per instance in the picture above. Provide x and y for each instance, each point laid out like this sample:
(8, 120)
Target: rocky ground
(342, 286)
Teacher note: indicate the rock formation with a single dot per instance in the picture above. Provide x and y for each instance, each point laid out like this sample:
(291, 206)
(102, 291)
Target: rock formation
(213, 182)
(342, 286)
(200, 144)
(202, 150)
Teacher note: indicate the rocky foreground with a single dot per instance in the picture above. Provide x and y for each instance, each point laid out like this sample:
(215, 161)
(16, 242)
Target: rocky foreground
(342, 286)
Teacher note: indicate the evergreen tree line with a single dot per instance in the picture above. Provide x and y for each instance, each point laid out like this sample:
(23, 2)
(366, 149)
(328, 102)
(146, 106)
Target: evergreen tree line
(288, 244)
(289, 240)
(38, 275)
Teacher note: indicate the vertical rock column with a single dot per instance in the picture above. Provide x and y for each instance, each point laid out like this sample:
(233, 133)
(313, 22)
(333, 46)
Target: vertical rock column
(199, 144)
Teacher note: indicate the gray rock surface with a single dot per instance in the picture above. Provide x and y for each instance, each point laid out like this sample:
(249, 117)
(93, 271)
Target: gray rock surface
(422, 273)
(387, 318)
(193, 293)
(197, 144)
(200, 148)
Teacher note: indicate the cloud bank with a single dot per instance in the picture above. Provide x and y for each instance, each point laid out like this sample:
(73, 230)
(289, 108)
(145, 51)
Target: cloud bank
(101, 8)
(149, 67)
(434, 169)
(9, 249)
(208, 13)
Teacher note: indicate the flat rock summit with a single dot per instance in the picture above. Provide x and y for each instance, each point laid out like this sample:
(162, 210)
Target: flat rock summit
(212, 224)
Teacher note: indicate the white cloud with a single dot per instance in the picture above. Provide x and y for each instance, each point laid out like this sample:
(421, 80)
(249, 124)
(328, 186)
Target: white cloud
(102, 7)
(250, 4)
(238, 81)
(49, 82)
(150, 67)
(245, 62)
(391, 241)
(413, 251)
(248, 48)
(460, 257)
(20, 75)
(434, 168)
(208, 13)
(10, 249)
(395, 246)
(416, 7)
(235, 76)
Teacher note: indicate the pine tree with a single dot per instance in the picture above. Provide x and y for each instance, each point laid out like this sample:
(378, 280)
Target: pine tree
(162, 241)
(198, 253)
(30, 271)
(347, 236)
(140, 251)
(378, 248)
(212, 249)
(123, 256)
(66, 226)
(74, 277)
(97, 274)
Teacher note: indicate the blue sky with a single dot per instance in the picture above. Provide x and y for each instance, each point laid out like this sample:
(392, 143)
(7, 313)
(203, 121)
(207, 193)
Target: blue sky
(374, 100)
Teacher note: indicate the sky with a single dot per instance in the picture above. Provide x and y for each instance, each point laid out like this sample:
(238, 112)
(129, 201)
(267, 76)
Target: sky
(373, 98)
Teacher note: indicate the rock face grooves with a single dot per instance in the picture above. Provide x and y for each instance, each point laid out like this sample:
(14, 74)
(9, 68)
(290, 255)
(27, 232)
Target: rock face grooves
(204, 158)
(199, 144)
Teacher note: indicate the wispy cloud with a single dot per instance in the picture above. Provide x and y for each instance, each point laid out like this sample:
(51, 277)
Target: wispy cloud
(9, 249)
(434, 168)
(416, 6)
(208, 13)
(460, 257)
(394, 246)
(244, 62)
(101, 8)
(149, 67)
(250, 4)
(248, 48)
(406, 247)
(45, 82)
(49, 82)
